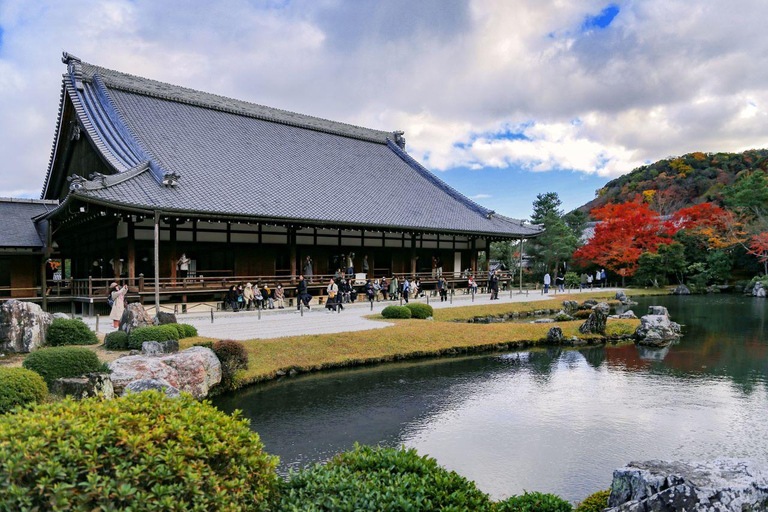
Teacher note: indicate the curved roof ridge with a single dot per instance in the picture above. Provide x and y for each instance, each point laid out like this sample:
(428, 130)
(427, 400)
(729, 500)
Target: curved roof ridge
(170, 92)
(56, 134)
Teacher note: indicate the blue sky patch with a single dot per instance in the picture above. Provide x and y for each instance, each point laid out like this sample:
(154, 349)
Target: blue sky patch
(603, 19)
(1, 37)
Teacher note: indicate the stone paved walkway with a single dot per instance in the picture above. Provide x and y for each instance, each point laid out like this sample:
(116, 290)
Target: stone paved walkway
(289, 322)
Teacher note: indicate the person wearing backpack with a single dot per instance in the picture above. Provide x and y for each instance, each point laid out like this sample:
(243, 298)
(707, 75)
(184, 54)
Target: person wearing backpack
(116, 299)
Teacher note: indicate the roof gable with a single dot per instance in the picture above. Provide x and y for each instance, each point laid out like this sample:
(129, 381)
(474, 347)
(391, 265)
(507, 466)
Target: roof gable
(19, 229)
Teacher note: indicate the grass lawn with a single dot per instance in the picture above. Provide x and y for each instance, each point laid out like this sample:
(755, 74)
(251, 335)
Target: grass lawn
(409, 339)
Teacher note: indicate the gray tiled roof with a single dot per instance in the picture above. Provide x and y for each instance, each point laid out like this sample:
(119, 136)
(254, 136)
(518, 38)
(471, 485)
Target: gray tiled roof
(242, 159)
(19, 230)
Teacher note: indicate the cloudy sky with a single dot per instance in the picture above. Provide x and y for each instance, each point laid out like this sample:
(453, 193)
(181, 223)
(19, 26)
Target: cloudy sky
(502, 98)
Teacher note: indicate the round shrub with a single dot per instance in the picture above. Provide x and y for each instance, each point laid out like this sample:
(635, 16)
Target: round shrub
(19, 386)
(396, 312)
(420, 311)
(189, 331)
(60, 362)
(117, 340)
(139, 452)
(65, 331)
(152, 333)
(173, 330)
(533, 502)
(369, 478)
(596, 502)
(233, 358)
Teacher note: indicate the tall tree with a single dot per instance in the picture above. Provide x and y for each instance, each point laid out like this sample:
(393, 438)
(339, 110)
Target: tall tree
(556, 244)
(577, 221)
(545, 204)
(759, 247)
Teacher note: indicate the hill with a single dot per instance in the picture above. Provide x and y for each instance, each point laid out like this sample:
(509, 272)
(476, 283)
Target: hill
(677, 182)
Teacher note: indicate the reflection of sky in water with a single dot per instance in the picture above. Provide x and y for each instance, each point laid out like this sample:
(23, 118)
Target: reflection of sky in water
(549, 420)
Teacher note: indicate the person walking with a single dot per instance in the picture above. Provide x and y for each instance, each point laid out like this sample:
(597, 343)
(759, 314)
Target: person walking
(493, 284)
(248, 296)
(583, 280)
(547, 282)
(302, 295)
(117, 299)
(183, 265)
(406, 289)
(560, 281)
(597, 278)
(280, 296)
(309, 268)
(604, 277)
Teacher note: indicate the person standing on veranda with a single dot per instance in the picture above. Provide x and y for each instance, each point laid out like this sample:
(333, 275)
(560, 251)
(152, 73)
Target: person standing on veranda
(309, 268)
(366, 267)
(183, 265)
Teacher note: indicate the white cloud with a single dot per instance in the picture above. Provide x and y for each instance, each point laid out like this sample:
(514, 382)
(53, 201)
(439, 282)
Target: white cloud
(481, 196)
(666, 77)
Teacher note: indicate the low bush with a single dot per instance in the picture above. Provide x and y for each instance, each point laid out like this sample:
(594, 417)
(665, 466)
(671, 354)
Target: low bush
(152, 333)
(233, 358)
(60, 362)
(139, 452)
(596, 502)
(19, 386)
(533, 502)
(420, 311)
(369, 478)
(188, 330)
(563, 317)
(582, 313)
(64, 331)
(117, 340)
(206, 344)
(396, 312)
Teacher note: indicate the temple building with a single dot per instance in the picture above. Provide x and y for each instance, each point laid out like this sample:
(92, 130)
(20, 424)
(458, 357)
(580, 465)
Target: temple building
(144, 172)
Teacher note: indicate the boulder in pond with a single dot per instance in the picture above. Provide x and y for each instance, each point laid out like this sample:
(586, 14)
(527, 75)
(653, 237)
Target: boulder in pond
(759, 290)
(90, 385)
(164, 318)
(595, 324)
(622, 297)
(657, 330)
(627, 315)
(717, 485)
(159, 348)
(681, 290)
(137, 386)
(555, 335)
(134, 316)
(23, 326)
(658, 310)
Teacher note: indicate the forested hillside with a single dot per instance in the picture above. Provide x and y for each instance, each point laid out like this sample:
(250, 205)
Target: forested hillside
(674, 183)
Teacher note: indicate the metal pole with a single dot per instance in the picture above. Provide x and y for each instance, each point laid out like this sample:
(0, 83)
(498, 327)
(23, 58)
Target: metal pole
(473, 294)
(371, 301)
(259, 308)
(211, 315)
(521, 266)
(97, 323)
(453, 286)
(301, 307)
(157, 263)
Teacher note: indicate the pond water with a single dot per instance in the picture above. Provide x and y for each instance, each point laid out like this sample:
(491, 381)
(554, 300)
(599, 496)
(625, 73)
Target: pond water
(542, 420)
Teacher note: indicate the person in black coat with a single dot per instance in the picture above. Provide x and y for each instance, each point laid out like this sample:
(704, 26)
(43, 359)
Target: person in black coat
(302, 295)
(368, 288)
(493, 284)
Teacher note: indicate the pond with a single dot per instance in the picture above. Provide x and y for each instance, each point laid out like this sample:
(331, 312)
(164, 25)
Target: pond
(542, 420)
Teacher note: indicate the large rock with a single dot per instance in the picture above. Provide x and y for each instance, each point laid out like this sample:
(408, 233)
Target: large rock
(570, 306)
(159, 348)
(622, 297)
(656, 329)
(758, 290)
(164, 318)
(595, 324)
(138, 386)
(88, 386)
(628, 315)
(681, 290)
(588, 304)
(194, 371)
(134, 316)
(23, 326)
(62, 316)
(718, 485)
(555, 335)
(199, 370)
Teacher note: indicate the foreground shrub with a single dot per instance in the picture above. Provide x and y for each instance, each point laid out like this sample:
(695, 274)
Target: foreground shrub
(61, 362)
(151, 333)
(206, 344)
(65, 331)
(139, 452)
(380, 479)
(233, 358)
(533, 502)
(19, 386)
(420, 311)
(117, 340)
(596, 502)
(396, 312)
(188, 330)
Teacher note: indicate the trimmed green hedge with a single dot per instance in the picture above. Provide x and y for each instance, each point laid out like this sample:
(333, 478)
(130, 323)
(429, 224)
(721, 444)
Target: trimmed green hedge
(396, 312)
(139, 452)
(369, 478)
(159, 333)
(596, 502)
(189, 331)
(19, 386)
(69, 332)
(117, 340)
(60, 362)
(533, 502)
(233, 358)
(420, 311)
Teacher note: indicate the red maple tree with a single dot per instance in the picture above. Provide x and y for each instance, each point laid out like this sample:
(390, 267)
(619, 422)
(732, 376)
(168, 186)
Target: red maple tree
(759, 247)
(718, 228)
(624, 232)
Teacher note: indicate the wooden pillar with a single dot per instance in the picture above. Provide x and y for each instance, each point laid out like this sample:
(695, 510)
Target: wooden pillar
(487, 255)
(116, 261)
(413, 255)
(473, 257)
(47, 250)
(157, 263)
(131, 251)
(174, 253)
(292, 246)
